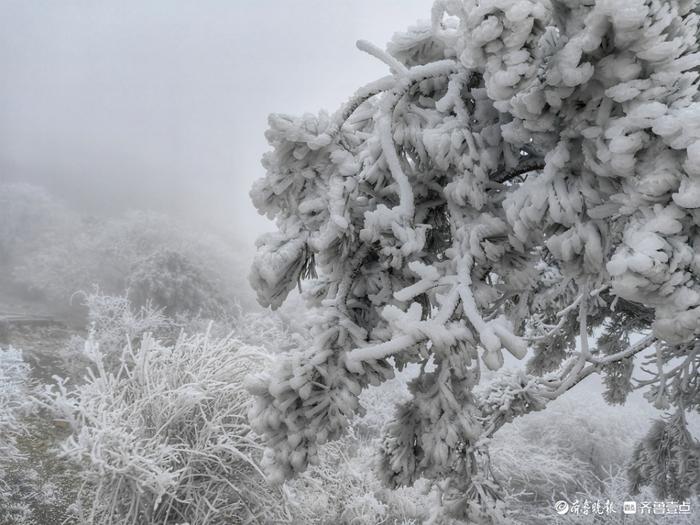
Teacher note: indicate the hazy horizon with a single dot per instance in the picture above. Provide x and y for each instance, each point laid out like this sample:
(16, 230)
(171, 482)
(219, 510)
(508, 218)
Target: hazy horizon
(163, 105)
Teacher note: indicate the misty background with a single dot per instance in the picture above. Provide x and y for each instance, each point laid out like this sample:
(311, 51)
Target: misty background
(163, 105)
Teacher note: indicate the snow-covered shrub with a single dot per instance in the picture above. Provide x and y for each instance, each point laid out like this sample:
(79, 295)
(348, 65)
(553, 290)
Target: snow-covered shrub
(112, 323)
(537, 460)
(29, 218)
(343, 488)
(527, 172)
(379, 404)
(272, 332)
(168, 280)
(113, 320)
(529, 470)
(112, 253)
(539, 463)
(165, 439)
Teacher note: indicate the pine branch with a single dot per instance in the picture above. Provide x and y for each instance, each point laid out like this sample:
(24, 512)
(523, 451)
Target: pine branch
(597, 363)
(414, 75)
(528, 166)
(571, 376)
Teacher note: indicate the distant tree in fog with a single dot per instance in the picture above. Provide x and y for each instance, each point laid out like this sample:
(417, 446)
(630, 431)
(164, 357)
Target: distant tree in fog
(140, 250)
(28, 215)
(170, 280)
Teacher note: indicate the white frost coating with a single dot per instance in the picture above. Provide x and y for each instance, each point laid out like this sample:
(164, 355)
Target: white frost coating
(688, 195)
(521, 154)
(277, 268)
(488, 337)
(385, 57)
(354, 359)
(429, 279)
(162, 418)
(406, 206)
(514, 344)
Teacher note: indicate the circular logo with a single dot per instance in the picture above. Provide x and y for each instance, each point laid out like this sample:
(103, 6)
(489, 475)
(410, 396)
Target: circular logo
(561, 506)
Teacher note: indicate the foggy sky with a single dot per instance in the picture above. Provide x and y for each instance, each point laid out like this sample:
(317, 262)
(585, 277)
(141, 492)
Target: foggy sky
(163, 103)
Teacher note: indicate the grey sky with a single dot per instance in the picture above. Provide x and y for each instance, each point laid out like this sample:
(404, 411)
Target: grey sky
(163, 104)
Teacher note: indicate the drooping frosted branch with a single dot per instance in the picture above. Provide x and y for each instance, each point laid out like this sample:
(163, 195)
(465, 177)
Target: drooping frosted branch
(517, 158)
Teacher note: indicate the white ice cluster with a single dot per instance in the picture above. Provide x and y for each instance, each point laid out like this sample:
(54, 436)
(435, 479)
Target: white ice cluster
(513, 140)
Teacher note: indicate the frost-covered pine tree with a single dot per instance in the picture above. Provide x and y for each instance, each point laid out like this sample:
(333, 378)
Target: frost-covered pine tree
(528, 173)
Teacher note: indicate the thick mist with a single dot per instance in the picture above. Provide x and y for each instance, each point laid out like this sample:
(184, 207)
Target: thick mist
(162, 105)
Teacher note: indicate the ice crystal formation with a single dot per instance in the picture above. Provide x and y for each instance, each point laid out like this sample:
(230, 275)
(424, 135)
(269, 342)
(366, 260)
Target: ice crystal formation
(526, 174)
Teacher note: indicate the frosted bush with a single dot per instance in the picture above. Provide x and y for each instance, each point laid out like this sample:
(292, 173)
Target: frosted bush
(170, 281)
(537, 460)
(539, 463)
(529, 471)
(362, 509)
(273, 332)
(379, 404)
(343, 488)
(29, 217)
(112, 322)
(164, 438)
(133, 249)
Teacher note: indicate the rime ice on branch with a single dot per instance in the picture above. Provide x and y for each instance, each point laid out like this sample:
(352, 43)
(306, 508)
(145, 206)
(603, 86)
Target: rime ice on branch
(529, 171)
